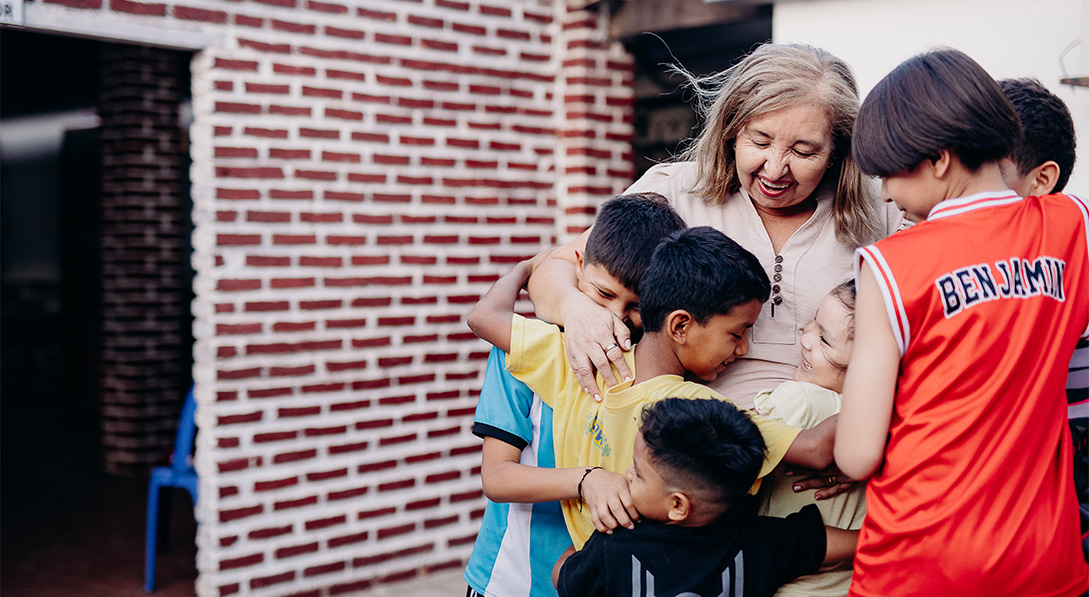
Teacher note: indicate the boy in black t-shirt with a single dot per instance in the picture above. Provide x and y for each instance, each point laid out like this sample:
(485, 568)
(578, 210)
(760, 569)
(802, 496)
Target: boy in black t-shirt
(695, 461)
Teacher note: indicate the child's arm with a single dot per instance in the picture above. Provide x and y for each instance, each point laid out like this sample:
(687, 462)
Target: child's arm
(505, 479)
(809, 449)
(491, 318)
(559, 564)
(812, 448)
(840, 545)
(870, 385)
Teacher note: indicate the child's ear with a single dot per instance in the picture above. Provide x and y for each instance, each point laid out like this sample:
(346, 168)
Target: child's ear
(677, 324)
(680, 507)
(1043, 179)
(942, 163)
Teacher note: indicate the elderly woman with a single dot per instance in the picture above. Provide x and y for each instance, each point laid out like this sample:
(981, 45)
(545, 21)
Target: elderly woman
(773, 170)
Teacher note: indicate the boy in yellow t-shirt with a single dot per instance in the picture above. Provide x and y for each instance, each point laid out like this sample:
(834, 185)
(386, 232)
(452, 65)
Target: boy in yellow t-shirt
(699, 296)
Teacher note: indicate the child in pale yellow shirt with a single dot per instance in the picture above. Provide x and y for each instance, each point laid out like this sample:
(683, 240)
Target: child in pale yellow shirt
(813, 396)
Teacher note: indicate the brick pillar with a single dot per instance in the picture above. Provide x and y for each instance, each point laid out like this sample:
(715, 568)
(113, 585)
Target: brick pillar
(595, 89)
(145, 329)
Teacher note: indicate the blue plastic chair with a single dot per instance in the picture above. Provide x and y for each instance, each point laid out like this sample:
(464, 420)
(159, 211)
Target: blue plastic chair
(180, 473)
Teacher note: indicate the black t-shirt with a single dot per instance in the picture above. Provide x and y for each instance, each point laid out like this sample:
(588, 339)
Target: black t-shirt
(752, 557)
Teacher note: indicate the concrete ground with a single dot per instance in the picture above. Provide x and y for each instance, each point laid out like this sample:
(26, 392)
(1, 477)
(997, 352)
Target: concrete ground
(444, 584)
(70, 532)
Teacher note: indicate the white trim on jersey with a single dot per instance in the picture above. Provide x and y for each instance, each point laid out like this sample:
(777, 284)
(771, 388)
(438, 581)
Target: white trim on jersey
(890, 292)
(517, 533)
(952, 207)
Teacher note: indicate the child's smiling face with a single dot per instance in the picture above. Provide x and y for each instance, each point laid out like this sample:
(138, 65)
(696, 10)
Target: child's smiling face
(826, 345)
(716, 342)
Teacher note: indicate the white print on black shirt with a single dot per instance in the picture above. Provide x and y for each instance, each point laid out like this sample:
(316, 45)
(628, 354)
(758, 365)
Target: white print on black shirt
(731, 587)
(966, 287)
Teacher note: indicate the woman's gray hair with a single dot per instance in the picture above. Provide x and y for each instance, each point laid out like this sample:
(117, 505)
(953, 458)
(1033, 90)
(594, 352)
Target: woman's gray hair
(773, 77)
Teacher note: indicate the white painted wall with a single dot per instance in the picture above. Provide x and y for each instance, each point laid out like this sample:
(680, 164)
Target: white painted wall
(1010, 38)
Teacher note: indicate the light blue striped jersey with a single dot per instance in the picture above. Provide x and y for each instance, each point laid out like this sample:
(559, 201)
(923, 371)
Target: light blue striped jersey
(518, 543)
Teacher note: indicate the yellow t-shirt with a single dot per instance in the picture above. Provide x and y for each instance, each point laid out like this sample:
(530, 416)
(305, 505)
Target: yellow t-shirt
(588, 433)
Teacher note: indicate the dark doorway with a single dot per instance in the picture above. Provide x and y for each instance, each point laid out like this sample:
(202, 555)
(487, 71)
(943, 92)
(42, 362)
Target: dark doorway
(664, 118)
(48, 167)
(68, 527)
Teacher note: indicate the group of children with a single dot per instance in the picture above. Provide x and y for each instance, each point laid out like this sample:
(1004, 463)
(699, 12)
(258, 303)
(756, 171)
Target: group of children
(963, 338)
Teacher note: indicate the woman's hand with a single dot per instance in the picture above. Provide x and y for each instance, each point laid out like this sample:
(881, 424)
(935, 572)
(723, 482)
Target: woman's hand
(593, 338)
(829, 483)
(606, 495)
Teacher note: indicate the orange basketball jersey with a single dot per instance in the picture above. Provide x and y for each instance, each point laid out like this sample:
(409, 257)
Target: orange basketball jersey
(987, 299)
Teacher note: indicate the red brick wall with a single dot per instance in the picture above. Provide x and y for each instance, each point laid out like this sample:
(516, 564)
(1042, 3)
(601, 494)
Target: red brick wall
(362, 171)
(596, 85)
(144, 251)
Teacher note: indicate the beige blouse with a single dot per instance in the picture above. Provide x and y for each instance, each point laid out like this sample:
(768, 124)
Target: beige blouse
(810, 264)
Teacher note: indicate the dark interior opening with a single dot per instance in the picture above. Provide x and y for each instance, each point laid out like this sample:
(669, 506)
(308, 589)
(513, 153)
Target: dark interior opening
(664, 118)
(68, 528)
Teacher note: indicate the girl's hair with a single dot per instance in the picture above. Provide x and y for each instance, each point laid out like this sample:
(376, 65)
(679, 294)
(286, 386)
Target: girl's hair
(771, 78)
(937, 100)
(845, 293)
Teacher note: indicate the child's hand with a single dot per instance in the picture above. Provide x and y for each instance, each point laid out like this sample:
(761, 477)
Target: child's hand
(594, 337)
(606, 495)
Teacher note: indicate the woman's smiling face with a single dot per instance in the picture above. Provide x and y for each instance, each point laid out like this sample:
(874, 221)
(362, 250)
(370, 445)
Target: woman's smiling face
(783, 155)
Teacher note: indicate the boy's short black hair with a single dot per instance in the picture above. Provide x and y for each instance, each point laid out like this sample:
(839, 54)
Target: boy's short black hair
(702, 271)
(1048, 129)
(625, 233)
(704, 446)
(937, 100)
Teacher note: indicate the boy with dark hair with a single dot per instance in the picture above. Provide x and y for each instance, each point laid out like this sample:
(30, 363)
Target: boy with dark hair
(964, 326)
(694, 461)
(702, 273)
(522, 531)
(616, 256)
(1040, 165)
(724, 284)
